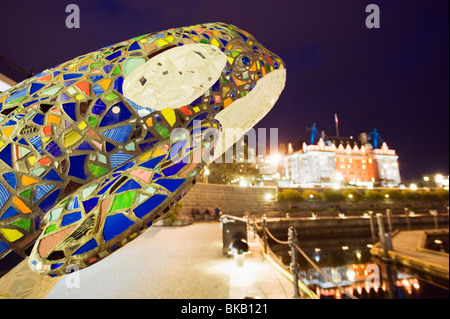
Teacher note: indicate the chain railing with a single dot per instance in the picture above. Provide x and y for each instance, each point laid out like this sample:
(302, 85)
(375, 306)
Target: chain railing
(12, 71)
(294, 245)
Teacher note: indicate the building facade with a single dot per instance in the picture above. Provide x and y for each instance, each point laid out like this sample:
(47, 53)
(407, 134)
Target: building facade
(332, 161)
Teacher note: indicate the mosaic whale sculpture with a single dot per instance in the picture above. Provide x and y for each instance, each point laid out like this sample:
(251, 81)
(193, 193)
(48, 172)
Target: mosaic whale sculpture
(97, 149)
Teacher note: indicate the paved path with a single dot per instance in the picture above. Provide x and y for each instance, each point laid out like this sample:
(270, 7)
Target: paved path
(184, 262)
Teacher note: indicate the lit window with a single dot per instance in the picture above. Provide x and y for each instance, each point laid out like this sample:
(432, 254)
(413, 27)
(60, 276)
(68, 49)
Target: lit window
(350, 161)
(370, 160)
(364, 166)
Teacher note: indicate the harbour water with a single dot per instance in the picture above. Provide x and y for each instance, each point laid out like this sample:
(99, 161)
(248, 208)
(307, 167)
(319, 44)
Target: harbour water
(347, 260)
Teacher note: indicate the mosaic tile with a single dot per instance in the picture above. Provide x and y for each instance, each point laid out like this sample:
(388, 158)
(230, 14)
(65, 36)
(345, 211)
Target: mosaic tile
(86, 159)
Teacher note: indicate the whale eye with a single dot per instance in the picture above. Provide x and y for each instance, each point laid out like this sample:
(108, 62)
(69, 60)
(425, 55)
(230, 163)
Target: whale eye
(244, 61)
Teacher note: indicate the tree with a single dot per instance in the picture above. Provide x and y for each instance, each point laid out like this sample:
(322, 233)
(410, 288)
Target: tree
(290, 196)
(332, 195)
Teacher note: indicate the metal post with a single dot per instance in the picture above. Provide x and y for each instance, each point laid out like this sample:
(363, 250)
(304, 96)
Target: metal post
(389, 218)
(408, 222)
(381, 234)
(372, 228)
(264, 234)
(294, 266)
(254, 226)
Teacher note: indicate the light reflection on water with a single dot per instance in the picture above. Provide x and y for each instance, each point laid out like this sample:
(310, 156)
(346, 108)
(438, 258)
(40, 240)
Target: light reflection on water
(349, 263)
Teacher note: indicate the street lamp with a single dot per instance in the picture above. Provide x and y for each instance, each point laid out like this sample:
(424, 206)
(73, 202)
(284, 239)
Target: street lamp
(206, 175)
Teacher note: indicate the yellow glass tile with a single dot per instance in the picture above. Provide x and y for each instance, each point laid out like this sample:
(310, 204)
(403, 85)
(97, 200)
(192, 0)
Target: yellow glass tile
(71, 138)
(230, 59)
(79, 97)
(169, 115)
(195, 38)
(215, 42)
(32, 160)
(26, 180)
(170, 38)
(11, 234)
(162, 42)
(2, 143)
(82, 125)
(105, 83)
(45, 139)
(196, 109)
(145, 156)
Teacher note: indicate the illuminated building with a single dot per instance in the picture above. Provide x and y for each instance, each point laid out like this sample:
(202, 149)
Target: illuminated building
(328, 161)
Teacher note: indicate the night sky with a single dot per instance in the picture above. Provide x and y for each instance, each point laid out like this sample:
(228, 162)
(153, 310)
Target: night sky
(394, 79)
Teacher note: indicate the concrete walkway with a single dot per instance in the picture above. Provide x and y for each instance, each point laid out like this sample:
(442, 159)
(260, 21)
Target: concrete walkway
(183, 262)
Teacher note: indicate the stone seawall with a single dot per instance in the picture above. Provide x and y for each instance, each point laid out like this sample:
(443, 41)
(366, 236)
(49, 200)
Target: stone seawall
(233, 200)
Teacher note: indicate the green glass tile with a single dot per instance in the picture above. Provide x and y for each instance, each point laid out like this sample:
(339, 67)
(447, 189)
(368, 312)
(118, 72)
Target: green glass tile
(93, 121)
(93, 65)
(26, 193)
(110, 96)
(98, 171)
(50, 228)
(23, 223)
(163, 131)
(116, 70)
(124, 200)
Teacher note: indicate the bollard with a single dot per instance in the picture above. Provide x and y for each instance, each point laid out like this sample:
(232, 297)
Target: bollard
(264, 233)
(389, 218)
(294, 267)
(381, 234)
(434, 213)
(408, 222)
(372, 228)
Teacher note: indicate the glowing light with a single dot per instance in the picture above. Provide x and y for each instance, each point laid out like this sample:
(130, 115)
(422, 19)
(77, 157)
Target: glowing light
(413, 187)
(243, 183)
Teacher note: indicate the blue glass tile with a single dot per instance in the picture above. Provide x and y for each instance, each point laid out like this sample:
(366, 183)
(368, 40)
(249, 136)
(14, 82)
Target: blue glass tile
(70, 218)
(54, 149)
(77, 166)
(170, 184)
(134, 46)
(119, 158)
(151, 164)
(84, 146)
(115, 225)
(3, 247)
(69, 108)
(55, 266)
(98, 107)
(36, 142)
(97, 90)
(36, 87)
(5, 155)
(90, 204)
(11, 211)
(86, 247)
(49, 201)
(41, 191)
(149, 205)
(107, 68)
(118, 84)
(52, 176)
(71, 76)
(119, 134)
(113, 56)
(175, 168)
(73, 204)
(117, 113)
(11, 179)
(129, 185)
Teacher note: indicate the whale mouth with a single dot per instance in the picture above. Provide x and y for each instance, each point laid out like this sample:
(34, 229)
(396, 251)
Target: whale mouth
(243, 114)
(174, 77)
